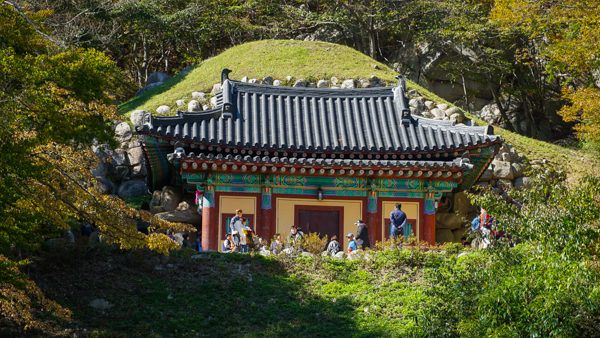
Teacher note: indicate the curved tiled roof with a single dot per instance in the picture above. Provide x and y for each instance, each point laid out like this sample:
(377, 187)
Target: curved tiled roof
(256, 116)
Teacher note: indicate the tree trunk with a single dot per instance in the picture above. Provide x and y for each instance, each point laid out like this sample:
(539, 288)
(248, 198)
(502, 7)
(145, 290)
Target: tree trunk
(462, 76)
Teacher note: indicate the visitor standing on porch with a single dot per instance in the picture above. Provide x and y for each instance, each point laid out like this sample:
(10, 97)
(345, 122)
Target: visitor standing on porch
(397, 222)
(238, 216)
(245, 234)
(362, 234)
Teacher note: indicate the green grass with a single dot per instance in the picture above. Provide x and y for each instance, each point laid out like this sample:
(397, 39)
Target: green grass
(240, 295)
(277, 58)
(316, 60)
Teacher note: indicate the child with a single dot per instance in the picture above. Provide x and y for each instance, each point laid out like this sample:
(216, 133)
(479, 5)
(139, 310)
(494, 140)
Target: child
(352, 246)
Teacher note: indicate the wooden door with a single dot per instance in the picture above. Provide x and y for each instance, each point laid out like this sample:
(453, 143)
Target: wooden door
(326, 221)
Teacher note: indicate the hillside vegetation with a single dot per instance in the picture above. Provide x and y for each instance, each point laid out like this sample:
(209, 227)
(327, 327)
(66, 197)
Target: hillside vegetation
(321, 60)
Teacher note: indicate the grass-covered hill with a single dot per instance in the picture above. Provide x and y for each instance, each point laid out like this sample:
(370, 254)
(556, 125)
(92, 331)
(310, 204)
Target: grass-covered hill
(312, 60)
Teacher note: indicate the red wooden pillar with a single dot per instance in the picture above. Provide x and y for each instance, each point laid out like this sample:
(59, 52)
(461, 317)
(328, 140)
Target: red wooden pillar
(428, 230)
(373, 218)
(266, 229)
(209, 220)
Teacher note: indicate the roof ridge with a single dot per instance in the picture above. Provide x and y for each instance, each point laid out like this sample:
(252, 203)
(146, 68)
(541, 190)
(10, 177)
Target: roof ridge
(316, 92)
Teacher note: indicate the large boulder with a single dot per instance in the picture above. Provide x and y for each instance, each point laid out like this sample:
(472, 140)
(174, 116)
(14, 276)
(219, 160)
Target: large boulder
(123, 132)
(104, 185)
(444, 235)
(135, 155)
(449, 221)
(119, 164)
(442, 106)
(322, 84)
(198, 96)
(438, 114)
(462, 204)
(375, 81)
(418, 105)
(504, 184)
(132, 188)
(523, 182)
(215, 89)
(503, 170)
(268, 80)
(452, 110)
(349, 83)
(194, 105)
(184, 213)
(459, 233)
(157, 77)
(164, 109)
(300, 83)
(518, 169)
(138, 118)
(167, 199)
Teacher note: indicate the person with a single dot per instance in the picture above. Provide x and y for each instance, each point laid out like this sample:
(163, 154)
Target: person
(334, 246)
(228, 245)
(245, 234)
(362, 234)
(235, 239)
(238, 216)
(198, 243)
(352, 246)
(186, 243)
(482, 224)
(397, 222)
(295, 237)
(276, 244)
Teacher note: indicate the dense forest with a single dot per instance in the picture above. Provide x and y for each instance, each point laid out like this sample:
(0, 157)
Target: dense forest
(66, 65)
(530, 60)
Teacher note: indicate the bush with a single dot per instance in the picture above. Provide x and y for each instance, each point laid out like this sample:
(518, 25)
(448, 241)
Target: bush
(545, 286)
(314, 244)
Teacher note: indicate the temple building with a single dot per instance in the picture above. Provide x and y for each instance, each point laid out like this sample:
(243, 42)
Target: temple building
(319, 158)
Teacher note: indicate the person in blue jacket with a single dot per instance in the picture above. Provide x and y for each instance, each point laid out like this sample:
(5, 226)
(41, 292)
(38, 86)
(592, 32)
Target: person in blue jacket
(397, 221)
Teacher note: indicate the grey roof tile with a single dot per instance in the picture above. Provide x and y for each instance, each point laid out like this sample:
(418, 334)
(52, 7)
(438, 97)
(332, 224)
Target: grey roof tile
(315, 120)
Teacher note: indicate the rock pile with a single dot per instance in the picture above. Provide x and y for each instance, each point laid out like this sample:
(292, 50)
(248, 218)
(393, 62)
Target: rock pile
(421, 106)
(506, 171)
(199, 101)
(122, 171)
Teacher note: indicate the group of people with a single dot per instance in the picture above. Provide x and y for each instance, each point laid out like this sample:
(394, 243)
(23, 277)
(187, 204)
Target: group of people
(240, 238)
(484, 229)
(355, 243)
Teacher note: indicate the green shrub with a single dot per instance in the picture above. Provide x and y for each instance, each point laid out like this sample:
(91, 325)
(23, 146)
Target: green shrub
(314, 244)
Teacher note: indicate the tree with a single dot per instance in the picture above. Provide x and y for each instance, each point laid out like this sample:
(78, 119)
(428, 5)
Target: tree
(566, 35)
(54, 104)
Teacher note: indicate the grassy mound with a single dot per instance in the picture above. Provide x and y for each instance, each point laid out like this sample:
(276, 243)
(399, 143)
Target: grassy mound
(311, 60)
